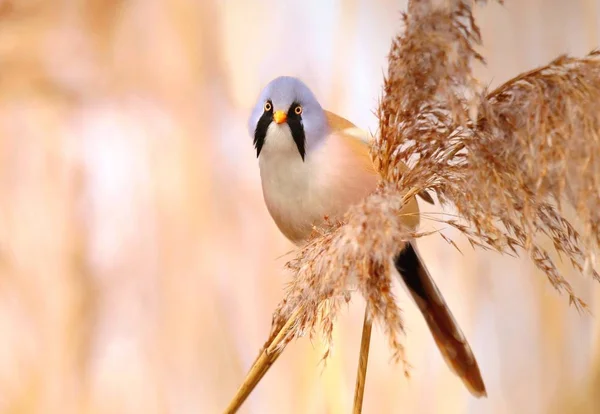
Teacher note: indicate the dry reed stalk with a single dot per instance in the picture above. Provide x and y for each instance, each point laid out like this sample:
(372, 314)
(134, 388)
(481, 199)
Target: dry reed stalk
(272, 349)
(506, 160)
(363, 360)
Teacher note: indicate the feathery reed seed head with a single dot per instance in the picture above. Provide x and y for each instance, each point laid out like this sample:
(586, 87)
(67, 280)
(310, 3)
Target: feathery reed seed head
(533, 143)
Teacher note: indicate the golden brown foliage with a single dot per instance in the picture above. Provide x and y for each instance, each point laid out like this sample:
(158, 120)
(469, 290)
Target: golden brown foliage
(535, 145)
(506, 160)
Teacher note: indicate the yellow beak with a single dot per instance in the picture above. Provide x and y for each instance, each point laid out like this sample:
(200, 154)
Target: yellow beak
(279, 117)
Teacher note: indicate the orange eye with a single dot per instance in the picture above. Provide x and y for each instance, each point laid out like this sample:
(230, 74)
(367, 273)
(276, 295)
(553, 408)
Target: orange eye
(298, 110)
(268, 106)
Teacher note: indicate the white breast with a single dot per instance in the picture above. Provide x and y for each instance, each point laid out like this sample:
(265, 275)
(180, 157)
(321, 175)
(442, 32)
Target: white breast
(299, 194)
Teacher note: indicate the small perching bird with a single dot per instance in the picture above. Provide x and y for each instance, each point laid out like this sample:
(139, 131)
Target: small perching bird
(314, 165)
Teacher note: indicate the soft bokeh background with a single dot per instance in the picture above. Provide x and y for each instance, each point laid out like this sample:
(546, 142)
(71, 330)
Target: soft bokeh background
(139, 266)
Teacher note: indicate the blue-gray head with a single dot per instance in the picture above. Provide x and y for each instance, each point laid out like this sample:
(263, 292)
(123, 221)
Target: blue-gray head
(287, 105)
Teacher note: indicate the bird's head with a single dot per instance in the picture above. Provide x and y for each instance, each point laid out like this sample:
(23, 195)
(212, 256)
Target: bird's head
(287, 113)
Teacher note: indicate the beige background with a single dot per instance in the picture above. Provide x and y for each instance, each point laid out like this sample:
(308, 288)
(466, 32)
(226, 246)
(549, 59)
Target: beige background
(138, 264)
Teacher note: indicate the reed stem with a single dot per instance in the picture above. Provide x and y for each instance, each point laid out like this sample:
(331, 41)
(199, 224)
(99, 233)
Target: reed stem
(361, 375)
(269, 354)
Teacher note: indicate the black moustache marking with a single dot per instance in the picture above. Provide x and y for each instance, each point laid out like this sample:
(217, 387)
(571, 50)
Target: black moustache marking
(295, 123)
(261, 130)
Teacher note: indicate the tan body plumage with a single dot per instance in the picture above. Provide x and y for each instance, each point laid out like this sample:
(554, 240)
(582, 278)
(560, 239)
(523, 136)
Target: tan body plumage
(299, 194)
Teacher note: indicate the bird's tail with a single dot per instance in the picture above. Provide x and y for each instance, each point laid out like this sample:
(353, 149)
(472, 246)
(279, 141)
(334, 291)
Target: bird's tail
(446, 332)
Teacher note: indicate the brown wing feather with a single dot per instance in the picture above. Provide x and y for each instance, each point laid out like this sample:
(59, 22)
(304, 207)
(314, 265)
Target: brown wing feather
(338, 123)
(447, 334)
(360, 152)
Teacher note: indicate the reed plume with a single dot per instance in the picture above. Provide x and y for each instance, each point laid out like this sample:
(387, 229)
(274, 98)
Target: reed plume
(509, 161)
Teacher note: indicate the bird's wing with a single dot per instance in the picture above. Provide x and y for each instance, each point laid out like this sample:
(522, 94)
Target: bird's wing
(357, 139)
(360, 141)
(336, 122)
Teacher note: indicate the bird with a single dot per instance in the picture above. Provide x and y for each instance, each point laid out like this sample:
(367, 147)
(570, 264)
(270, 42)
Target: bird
(315, 164)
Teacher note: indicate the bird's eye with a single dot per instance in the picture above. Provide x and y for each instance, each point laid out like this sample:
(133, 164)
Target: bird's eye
(268, 106)
(298, 110)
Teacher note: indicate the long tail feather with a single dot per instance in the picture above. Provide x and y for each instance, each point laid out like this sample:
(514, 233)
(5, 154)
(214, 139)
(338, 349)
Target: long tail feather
(446, 332)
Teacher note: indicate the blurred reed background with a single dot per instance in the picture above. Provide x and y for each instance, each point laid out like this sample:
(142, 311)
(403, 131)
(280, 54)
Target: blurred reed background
(139, 266)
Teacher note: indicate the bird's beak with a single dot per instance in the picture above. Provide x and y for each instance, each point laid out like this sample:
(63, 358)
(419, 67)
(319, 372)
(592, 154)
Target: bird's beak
(279, 117)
